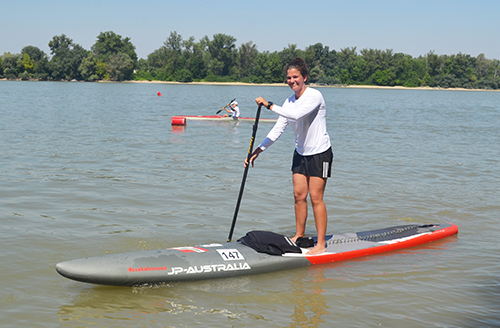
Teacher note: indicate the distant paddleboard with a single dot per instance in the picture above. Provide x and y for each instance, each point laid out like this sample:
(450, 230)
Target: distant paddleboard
(181, 119)
(233, 259)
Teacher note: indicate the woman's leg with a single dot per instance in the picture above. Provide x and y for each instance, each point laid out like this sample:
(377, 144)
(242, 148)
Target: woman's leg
(316, 190)
(300, 191)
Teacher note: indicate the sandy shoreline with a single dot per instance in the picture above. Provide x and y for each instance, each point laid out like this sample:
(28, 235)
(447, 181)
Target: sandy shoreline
(285, 85)
(312, 85)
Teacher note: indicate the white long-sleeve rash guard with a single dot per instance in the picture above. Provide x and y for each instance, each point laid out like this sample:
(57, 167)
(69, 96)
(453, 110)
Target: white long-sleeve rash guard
(307, 117)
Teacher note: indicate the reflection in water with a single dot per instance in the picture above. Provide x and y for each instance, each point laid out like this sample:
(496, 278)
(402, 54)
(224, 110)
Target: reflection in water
(178, 129)
(310, 304)
(118, 304)
(156, 304)
(233, 300)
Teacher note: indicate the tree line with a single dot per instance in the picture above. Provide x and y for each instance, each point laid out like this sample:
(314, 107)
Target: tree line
(219, 59)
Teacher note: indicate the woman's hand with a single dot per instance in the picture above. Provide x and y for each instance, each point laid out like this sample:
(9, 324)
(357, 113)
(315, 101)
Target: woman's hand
(261, 101)
(253, 157)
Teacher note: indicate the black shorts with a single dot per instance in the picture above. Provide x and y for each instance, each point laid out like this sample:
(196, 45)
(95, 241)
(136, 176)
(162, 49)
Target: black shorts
(318, 165)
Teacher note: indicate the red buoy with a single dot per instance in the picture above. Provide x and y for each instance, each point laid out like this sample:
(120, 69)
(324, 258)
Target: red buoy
(158, 93)
(178, 120)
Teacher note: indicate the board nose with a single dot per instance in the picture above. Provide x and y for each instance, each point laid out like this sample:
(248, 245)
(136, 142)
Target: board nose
(73, 269)
(63, 268)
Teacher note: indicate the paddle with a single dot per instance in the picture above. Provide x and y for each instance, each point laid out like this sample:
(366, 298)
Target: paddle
(220, 110)
(245, 172)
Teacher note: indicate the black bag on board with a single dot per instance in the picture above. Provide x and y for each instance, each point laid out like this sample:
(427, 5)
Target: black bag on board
(269, 242)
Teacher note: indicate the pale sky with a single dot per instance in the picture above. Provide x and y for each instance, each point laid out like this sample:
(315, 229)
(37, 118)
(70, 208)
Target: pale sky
(411, 27)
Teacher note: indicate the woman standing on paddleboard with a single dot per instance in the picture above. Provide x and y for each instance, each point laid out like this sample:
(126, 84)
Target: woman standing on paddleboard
(305, 112)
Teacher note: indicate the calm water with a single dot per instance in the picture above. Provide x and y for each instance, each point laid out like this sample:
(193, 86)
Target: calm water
(95, 168)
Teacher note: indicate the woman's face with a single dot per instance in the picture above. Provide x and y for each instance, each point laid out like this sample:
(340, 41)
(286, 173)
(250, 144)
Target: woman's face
(296, 81)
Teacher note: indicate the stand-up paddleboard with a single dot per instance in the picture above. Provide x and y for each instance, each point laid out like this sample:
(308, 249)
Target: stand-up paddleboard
(181, 119)
(235, 259)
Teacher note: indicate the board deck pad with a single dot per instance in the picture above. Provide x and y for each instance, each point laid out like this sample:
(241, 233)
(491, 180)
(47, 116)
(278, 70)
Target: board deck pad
(232, 259)
(351, 241)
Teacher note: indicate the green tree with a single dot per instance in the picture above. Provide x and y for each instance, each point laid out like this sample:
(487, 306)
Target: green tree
(35, 53)
(196, 63)
(114, 58)
(40, 60)
(315, 57)
(109, 43)
(329, 61)
(258, 75)
(191, 60)
(273, 69)
(433, 64)
(494, 69)
(427, 80)
(12, 65)
(175, 60)
(447, 81)
(287, 54)
(67, 58)
(247, 59)
(315, 74)
(157, 60)
(408, 71)
(351, 66)
(384, 78)
(222, 50)
(88, 68)
(376, 60)
(28, 63)
(60, 43)
(120, 67)
(184, 75)
(93, 69)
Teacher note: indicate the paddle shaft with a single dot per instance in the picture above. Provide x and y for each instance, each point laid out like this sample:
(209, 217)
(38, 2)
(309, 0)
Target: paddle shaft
(245, 173)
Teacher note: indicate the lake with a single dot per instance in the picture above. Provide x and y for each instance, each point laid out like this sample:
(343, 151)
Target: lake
(96, 168)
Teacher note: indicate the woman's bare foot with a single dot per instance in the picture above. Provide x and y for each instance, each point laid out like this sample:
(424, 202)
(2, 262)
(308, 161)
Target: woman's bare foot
(294, 239)
(318, 249)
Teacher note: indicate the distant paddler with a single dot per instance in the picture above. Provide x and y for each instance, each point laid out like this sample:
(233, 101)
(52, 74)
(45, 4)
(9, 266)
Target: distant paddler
(224, 108)
(234, 110)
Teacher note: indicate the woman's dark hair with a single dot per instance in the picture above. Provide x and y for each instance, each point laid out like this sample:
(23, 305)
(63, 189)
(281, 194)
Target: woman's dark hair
(299, 64)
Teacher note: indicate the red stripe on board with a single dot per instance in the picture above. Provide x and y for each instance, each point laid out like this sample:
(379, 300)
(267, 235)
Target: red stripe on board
(427, 238)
